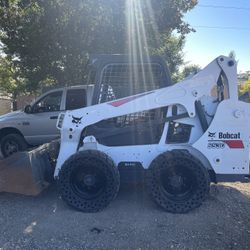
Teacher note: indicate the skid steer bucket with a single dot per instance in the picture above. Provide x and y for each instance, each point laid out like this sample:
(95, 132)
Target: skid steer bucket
(27, 173)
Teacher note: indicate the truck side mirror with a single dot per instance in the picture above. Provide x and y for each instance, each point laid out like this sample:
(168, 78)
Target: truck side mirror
(28, 109)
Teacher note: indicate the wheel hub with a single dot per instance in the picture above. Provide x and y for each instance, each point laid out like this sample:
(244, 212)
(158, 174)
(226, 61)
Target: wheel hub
(11, 147)
(89, 180)
(176, 181)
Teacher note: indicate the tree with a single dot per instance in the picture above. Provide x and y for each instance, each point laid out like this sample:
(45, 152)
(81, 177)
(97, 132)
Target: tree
(186, 71)
(191, 69)
(171, 50)
(245, 87)
(53, 38)
(12, 84)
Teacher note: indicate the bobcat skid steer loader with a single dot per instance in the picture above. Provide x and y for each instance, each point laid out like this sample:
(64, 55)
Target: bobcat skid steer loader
(201, 135)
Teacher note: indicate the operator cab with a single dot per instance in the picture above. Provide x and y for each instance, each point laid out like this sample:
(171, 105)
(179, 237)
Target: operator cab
(119, 76)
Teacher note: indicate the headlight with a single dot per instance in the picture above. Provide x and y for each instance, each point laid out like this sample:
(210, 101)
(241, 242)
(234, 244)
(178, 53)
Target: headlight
(60, 121)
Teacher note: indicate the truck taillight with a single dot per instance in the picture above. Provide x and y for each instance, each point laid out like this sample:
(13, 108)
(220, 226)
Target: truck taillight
(60, 121)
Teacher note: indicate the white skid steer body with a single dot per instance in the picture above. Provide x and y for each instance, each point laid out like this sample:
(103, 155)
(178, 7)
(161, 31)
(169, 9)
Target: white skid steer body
(204, 126)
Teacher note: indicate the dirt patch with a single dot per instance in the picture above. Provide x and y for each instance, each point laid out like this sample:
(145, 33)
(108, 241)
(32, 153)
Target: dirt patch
(132, 221)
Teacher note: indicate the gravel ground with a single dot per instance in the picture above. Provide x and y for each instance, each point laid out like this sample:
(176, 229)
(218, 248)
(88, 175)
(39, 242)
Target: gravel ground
(132, 221)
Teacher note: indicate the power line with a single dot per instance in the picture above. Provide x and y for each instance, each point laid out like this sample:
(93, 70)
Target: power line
(221, 27)
(223, 7)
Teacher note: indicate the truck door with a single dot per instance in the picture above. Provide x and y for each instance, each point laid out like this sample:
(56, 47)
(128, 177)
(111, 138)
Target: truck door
(41, 123)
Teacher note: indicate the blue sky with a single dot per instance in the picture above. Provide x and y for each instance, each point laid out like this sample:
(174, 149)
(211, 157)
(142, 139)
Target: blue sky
(207, 43)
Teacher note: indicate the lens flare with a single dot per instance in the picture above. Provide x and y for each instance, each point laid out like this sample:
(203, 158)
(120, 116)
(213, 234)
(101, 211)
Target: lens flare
(140, 21)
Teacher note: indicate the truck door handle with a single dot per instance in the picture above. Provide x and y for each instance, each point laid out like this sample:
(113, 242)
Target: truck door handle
(53, 117)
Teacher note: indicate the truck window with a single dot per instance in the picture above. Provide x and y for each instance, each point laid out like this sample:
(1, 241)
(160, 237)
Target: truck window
(75, 99)
(49, 103)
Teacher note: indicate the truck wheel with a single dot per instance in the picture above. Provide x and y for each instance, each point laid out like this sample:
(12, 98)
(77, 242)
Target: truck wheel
(89, 181)
(177, 181)
(12, 143)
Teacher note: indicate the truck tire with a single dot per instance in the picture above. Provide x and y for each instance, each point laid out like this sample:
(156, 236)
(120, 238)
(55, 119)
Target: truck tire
(12, 143)
(89, 181)
(177, 181)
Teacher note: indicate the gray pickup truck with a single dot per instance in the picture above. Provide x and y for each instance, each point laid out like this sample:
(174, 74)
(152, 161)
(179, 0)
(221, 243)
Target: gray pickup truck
(36, 124)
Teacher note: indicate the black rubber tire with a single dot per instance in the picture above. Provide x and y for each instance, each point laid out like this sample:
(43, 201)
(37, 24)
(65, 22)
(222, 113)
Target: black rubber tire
(194, 176)
(83, 161)
(16, 140)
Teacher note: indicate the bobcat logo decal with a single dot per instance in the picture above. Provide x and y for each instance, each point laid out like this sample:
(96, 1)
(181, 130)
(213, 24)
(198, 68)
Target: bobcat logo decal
(76, 120)
(211, 135)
